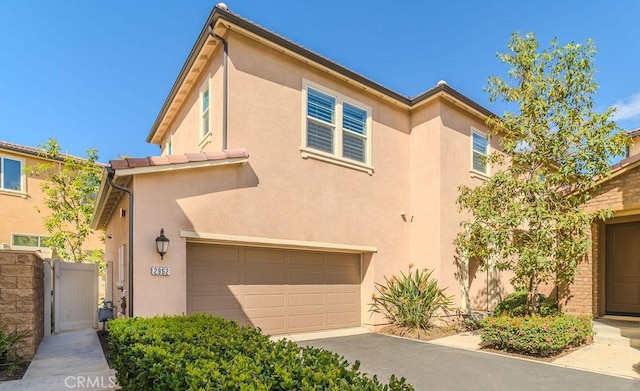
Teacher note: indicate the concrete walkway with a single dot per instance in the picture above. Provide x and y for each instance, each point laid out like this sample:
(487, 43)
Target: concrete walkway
(69, 360)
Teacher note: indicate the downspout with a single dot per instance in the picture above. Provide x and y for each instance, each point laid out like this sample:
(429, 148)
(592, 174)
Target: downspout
(225, 85)
(110, 174)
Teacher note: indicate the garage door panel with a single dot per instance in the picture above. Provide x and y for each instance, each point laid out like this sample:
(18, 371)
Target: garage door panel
(313, 321)
(280, 291)
(342, 298)
(306, 258)
(222, 254)
(307, 278)
(265, 277)
(214, 303)
(274, 324)
(346, 278)
(260, 301)
(306, 299)
(262, 256)
(207, 277)
(342, 319)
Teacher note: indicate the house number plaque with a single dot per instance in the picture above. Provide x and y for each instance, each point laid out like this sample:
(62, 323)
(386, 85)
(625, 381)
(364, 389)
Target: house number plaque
(160, 271)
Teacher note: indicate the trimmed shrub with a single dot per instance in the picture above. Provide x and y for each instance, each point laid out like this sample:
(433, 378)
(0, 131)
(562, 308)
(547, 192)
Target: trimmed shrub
(412, 300)
(535, 335)
(202, 352)
(515, 304)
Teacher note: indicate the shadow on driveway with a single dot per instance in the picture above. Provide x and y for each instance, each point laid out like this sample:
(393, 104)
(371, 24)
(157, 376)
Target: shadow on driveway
(433, 367)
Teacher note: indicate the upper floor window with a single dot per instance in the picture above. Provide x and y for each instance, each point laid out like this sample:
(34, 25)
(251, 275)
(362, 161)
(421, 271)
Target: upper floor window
(479, 151)
(11, 174)
(337, 127)
(204, 112)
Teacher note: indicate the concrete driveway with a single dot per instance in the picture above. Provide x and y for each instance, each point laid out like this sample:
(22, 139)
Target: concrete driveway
(433, 367)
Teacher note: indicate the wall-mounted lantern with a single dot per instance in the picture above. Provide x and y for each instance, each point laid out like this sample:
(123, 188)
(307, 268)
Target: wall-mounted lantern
(162, 244)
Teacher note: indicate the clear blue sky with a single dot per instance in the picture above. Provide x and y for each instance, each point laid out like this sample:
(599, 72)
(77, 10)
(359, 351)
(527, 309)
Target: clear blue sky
(95, 73)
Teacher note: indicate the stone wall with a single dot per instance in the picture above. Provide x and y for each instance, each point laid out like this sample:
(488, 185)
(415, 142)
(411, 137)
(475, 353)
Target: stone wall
(22, 297)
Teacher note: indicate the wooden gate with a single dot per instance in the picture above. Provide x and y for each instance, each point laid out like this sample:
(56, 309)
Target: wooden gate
(75, 295)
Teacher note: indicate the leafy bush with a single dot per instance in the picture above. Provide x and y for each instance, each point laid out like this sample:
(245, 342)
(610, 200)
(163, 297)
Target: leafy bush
(413, 300)
(9, 341)
(202, 352)
(535, 335)
(515, 305)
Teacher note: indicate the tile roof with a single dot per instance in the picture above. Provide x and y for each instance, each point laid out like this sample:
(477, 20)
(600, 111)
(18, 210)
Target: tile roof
(37, 152)
(151, 161)
(634, 133)
(20, 148)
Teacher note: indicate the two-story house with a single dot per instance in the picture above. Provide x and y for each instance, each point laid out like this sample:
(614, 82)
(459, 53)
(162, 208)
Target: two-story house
(288, 185)
(23, 211)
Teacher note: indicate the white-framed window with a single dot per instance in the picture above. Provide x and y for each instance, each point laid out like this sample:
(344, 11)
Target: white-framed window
(479, 151)
(336, 127)
(170, 145)
(28, 241)
(11, 175)
(205, 119)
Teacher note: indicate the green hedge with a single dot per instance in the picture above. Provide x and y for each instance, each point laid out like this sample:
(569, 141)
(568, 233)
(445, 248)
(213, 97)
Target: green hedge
(515, 303)
(202, 352)
(536, 336)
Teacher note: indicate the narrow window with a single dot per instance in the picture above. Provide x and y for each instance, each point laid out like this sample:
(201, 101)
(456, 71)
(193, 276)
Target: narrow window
(321, 110)
(479, 151)
(170, 146)
(10, 174)
(354, 127)
(205, 112)
(23, 240)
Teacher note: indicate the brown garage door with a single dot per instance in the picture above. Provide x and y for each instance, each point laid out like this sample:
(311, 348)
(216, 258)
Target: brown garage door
(280, 291)
(622, 294)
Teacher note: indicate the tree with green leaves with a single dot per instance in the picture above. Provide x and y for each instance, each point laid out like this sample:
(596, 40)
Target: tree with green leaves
(528, 217)
(70, 186)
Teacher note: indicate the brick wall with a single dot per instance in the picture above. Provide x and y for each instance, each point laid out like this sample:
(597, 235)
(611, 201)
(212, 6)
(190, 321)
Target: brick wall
(620, 194)
(22, 297)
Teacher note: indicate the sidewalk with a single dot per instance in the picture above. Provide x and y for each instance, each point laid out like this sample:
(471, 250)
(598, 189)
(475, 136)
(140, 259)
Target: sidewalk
(65, 361)
(598, 357)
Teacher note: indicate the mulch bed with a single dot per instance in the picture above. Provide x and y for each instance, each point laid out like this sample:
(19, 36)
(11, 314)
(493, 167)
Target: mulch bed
(16, 374)
(446, 331)
(434, 332)
(103, 336)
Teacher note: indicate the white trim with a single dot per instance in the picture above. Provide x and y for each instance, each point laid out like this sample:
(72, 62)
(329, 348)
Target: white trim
(474, 172)
(257, 241)
(338, 130)
(178, 166)
(307, 153)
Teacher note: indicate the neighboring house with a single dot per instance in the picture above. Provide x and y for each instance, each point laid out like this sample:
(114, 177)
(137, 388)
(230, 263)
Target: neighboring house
(21, 225)
(288, 186)
(609, 282)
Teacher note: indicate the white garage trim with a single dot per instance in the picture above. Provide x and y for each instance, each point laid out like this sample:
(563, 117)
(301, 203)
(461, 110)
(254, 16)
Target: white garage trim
(256, 241)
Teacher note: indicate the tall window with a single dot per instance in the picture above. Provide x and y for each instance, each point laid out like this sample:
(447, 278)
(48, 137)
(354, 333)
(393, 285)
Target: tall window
(10, 174)
(479, 151)
(204, 112)
(337, 127)
(170, 145)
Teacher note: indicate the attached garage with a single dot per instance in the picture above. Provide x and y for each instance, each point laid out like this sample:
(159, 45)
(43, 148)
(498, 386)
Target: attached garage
(280, 291)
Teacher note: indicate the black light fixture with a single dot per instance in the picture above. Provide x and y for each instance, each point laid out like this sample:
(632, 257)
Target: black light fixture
(162, 244)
